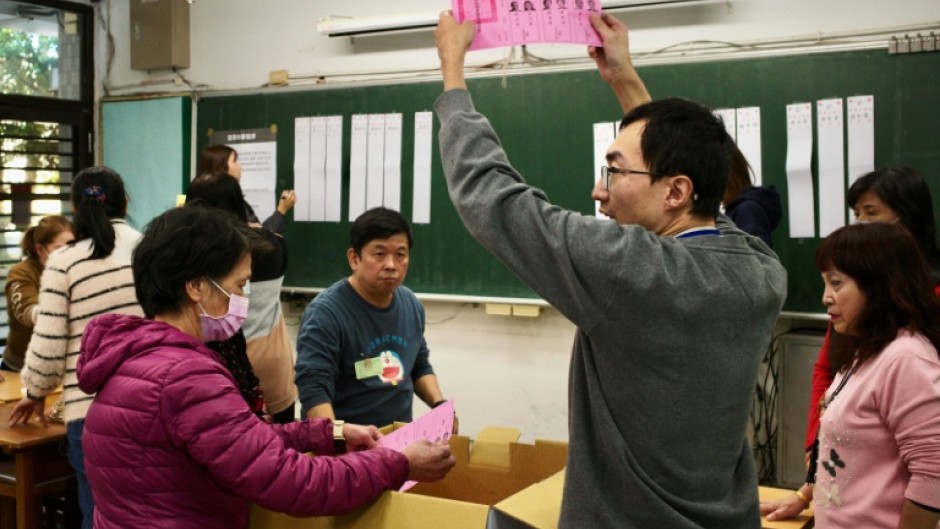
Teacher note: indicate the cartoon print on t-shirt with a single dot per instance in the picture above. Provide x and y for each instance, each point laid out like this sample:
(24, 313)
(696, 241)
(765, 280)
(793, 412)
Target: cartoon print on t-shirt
(392, 371)
(834, 461)
(836, 451)
(830, 497)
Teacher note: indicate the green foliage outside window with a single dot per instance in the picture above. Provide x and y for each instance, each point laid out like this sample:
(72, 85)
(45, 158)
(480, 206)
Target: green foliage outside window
(27, 61)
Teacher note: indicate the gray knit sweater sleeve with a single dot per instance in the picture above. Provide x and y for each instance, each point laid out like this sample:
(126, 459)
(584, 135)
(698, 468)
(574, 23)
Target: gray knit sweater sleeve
(653, 441)
(549, 248)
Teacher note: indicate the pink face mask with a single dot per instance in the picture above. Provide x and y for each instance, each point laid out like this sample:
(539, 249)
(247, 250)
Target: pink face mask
(221, 328)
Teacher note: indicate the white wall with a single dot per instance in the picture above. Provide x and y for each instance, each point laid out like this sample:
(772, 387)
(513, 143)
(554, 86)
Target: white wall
(236, 43)
(501, 370)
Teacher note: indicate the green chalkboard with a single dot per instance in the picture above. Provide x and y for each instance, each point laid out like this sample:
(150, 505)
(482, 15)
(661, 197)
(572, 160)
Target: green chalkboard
(545, 123)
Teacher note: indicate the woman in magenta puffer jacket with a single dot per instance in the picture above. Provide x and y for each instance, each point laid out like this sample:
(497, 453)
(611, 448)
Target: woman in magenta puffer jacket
(169, 440)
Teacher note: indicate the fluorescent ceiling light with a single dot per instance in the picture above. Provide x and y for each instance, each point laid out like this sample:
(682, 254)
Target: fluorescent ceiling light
(338, 26)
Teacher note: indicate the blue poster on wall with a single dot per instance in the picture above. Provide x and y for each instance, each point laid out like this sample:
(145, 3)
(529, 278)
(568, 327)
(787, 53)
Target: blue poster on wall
(148, 142)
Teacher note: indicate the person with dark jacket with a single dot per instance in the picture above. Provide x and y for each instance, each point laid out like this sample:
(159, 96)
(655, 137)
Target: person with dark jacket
(755, 209)
(169, 440)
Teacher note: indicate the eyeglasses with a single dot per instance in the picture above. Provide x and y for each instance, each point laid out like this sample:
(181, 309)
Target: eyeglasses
(606, 171)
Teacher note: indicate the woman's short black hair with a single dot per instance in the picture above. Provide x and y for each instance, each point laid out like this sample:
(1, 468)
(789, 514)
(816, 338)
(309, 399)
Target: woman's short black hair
(906, 192)
(219, 189)
(184, 244)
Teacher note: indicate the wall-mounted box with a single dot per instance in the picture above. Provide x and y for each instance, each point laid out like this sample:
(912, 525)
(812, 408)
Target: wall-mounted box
(159, 34)
(526, 311)
(499, 309)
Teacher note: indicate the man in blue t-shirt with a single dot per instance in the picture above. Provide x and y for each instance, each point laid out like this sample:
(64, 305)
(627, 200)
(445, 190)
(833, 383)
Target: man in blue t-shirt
(361, 354)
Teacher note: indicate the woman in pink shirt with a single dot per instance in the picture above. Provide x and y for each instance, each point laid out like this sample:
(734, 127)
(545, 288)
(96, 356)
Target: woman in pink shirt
(894, 195)
(878, 457)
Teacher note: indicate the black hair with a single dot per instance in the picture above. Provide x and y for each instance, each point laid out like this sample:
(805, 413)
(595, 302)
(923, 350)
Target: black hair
(906, 192)
(215, 158)
(682, 137)
(98, 196)
(183, 244)
(895, 280)
(221, 190)
(739, 179)
(377, 223)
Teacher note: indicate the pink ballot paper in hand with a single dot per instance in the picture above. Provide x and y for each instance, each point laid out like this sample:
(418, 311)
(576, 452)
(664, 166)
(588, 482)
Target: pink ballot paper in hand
(514, 22)
(435, 426)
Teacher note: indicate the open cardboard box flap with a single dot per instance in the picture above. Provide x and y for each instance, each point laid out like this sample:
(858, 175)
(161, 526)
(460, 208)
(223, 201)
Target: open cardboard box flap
(537, 506)
(495, 469)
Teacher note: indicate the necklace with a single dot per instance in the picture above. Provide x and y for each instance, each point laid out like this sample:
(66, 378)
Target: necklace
(838, 389)
(814, 455)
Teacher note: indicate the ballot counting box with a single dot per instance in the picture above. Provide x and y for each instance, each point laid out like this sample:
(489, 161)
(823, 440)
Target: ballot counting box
(497, 483)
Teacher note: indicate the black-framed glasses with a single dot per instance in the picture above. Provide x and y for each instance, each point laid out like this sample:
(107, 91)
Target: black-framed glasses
(606, 171)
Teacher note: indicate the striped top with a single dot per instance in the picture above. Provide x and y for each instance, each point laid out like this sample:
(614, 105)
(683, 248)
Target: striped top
(75, 289)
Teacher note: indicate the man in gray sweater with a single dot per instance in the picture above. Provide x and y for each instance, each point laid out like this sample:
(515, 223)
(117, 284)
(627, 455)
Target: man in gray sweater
(674, 306)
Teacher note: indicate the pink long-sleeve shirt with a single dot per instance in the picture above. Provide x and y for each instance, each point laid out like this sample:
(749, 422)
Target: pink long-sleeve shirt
(879, 438)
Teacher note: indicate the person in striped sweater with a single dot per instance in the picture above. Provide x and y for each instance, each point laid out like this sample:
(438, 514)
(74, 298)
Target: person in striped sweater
(87, 278)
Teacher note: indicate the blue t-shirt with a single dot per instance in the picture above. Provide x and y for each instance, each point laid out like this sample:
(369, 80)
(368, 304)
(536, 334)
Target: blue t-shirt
(340, 328)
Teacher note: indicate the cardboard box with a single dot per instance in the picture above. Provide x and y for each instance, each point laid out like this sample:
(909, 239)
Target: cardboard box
(497, 483)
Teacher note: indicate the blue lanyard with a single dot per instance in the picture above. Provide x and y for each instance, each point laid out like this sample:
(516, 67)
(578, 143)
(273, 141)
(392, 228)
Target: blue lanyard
(699, 233)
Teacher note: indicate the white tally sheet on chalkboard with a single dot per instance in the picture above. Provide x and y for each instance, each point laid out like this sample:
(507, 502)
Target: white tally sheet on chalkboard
(421, 206)
(830, 152)
(374, 166)
(861, 130)
(604, 134)
(318, 162)
(799, 171)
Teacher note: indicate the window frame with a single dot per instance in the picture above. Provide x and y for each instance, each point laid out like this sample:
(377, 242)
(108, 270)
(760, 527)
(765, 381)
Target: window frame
(79, 113)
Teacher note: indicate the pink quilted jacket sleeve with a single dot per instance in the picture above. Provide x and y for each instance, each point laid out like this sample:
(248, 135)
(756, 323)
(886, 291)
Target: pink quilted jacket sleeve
(247, 456)
(309, 435)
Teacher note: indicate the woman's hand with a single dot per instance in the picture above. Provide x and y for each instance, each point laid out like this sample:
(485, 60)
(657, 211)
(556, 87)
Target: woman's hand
(428, 461)
(788, 507)
(26, 408)
(359, 437)
(287, 201)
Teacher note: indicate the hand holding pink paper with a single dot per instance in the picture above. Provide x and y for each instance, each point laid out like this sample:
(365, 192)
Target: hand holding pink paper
(516, 22)
(435, 426)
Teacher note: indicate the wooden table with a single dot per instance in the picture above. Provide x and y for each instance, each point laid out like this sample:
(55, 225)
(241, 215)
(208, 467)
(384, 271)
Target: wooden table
(803, 521)
(11, 388)
(40, 465)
